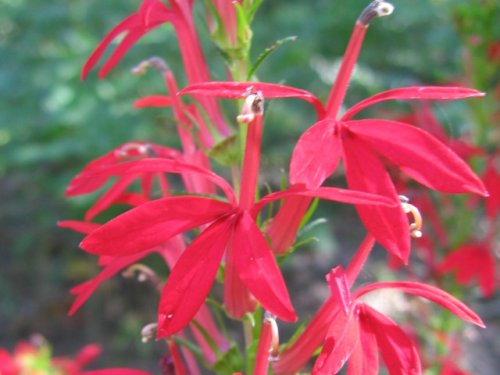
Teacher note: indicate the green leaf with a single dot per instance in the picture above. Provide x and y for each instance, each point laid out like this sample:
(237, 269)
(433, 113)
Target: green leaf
(229, 362)
(265, 54)
(226, 152)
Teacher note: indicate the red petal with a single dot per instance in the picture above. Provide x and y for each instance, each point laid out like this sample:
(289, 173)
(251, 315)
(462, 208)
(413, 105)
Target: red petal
(97, 176)
(154, 101)
(258, 269)
(116, 371)
(78, 226)
(414, 93)
(237, 299)
(398, 352)
(365, 172)
(342, 338)
(107, 199)
(151, 224)
(339, 288)
(327, 193)
(239, 90)
(192, 277)
(301, 350)
(316, 155)
(85, 290)
(420, 155)
(364, 358)
(431, 293)
(125, 25)
(491, 179)
(125, 44)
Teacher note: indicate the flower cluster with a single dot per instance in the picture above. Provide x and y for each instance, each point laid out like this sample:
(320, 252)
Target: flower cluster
(216, 231)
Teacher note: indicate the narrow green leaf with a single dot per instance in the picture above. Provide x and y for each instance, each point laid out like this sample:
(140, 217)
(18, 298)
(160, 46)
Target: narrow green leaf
(266, 54)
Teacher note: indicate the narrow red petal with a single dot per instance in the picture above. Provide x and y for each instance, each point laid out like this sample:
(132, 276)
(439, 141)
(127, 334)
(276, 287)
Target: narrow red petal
(364, 172)
(151, 224)
(154, 101)
(125, 25)
(301, 350)
(316, 155)
(342, 338)
(84, 182)
(192, 277)
(398, 351)
(364, 358)
(283, 228)
(420, 155)
(78, 226)
(116, 371)
(107, 199)
(262, 355)
(339, 288)
(237, 299)
(85, 290)
(328, 193)
(258, 270)
(431, 293)
(414, 93)
(238, 90)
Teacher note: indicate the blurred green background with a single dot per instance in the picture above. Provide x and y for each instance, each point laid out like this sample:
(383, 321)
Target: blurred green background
(52, 124)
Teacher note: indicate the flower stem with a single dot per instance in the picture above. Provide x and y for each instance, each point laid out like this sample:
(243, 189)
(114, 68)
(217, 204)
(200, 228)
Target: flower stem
(359, 259)
(376, 8)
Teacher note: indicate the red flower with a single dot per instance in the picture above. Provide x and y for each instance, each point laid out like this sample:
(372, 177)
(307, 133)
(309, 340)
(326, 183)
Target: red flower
(151, 14)
(469, 261)
(116, 193)
(356, 332)
(362, 144)
(231, 228)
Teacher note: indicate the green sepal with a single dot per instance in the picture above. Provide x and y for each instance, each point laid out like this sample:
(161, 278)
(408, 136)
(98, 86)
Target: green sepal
(227, 151)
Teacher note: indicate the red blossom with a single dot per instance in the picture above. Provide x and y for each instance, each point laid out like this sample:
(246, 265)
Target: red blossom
(472, 261)
(356, 332)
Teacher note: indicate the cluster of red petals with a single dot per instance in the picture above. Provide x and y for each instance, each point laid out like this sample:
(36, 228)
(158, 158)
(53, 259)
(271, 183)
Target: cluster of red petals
(363, 145)
(356, 333)
(17, 362)
(472, 261)
(230, 228)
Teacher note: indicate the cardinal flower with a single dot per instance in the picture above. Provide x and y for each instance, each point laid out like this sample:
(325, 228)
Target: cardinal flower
(362, 145)
(356, 332)
(229, 228)
(151, 14)
(472, 261)
(116, 193)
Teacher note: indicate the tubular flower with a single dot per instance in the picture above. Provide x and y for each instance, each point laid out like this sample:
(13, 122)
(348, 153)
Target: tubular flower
(116, 193)
(230, 228)
(151, 14)
(362, 144)
(356, 332)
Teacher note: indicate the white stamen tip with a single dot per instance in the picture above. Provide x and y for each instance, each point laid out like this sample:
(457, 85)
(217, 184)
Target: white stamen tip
(384, 9)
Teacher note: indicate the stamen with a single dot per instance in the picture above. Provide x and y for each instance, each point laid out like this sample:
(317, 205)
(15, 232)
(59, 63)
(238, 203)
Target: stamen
(416, 226)
(148, 332)
(253, 105)
(142, 273)
(153, 62)
(377, 8)
(141, 149)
